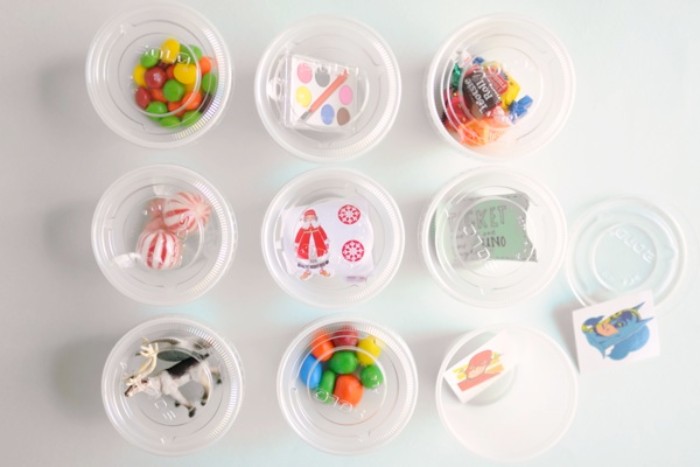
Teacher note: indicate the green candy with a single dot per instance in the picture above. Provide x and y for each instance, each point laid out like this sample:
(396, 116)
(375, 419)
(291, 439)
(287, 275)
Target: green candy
(156, 108)
(173, 90)
(191, 117)
(209, 83)
(170, 121)
(324, 392)
(371, 377)
(150, 58)
(189, 54)
(343, 362)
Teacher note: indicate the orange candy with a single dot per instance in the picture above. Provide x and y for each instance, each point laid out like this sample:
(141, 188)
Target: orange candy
(170, 72)
(348, 389)
(192, 100)
(322, 347)
(204, 65)
(173, 106)
(157, 95)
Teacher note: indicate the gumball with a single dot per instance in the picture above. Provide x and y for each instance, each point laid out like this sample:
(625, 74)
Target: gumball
(159, 249)
(156, 108)
(322, 347)
(310, 372)
(143, 98)
(191, 117)
(372, 348)
(186, 73)
(204, 65)
(157, 95)
(209, 83)
(345, 336)
(150, 58)
(348, 389)
(170, 71)
(343, 362)
(190, 54)
(138, 76)
(173, 90)
(169, 49)
(174, 107)
(371, 377)
(170, 121)
(155, 78)
(192, 100)
(324, 392)
(185, 211)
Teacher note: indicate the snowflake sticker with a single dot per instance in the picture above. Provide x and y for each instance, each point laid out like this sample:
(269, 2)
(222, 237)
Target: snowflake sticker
(353, 251)
(348, 214)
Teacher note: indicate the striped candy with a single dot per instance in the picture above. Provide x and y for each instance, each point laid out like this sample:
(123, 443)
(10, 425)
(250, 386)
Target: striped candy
(184, 212)
(159, 249)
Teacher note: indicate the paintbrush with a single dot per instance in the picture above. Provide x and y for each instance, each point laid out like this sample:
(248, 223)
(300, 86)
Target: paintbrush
(325, 95)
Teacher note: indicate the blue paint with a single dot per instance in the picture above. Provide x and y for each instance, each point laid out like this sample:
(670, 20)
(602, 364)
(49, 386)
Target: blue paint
(310, 372)
(327, 114)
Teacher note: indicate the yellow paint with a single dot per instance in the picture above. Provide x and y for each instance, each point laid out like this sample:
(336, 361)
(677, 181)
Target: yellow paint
(303, 96)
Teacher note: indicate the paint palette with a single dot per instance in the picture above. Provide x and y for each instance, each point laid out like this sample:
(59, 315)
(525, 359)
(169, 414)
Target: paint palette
(320, 95)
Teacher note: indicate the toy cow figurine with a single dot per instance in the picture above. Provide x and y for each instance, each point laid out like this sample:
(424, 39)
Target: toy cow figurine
(168, 382)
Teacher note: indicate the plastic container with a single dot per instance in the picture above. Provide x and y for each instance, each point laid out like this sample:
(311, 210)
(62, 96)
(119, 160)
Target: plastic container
(136, 369)
(332, 238)
(524, 414)
(627, 245)
(493, 237)
(328, 89)
(500, 87)
(331, 421)
(113, 79)
(163, 235)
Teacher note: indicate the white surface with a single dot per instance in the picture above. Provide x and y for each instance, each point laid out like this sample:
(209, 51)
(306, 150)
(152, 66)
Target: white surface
(632, 130)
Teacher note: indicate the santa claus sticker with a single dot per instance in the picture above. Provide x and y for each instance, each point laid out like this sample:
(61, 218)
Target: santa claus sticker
(331, 239)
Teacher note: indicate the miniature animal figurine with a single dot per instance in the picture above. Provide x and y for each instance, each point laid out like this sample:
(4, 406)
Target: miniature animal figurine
(168, 381)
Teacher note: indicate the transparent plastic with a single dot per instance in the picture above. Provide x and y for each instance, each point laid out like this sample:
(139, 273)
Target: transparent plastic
(124, 216)
(627, 245)
(348, 60)
(156, 422)
(479, 108)
(116, 51)
(339, 186)
(492, 237)
(338, 427)
(526, 413)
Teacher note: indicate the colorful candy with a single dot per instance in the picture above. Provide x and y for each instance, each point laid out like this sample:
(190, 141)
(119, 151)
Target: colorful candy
(176, 75)
(185, 212)
(159, 249)
(334, 368)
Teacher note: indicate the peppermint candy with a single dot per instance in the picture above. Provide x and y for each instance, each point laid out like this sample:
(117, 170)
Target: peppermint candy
(184, 212)
(159, 249)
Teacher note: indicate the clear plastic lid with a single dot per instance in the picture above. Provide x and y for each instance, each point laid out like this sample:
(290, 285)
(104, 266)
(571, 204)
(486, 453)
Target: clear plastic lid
(172, 386)
(333, 238)
(159, 75)
(493, 236)
(328, 89)
(523, 414)
(499, 87)
(163, 235)
(627, 245)
(347, 385)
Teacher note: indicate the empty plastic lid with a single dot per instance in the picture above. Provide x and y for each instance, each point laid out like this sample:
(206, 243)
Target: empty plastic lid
(525, 412)
(493, 236)
(626, 245)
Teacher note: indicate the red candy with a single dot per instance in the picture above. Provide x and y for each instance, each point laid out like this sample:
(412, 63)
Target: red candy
(345, 336)
(143, 98)
(155, 77)
(170, 71)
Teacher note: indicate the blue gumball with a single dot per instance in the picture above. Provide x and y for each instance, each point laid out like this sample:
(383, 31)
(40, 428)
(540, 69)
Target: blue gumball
(310, 372)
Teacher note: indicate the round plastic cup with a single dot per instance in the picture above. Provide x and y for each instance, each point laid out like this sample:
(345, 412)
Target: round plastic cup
(328, 421)
(112, 79)
(493, 237)
(364, 230)
(339, 71)
(154, 421)
(524, 414)
(501, 86)
(628, 245)
(163, 264)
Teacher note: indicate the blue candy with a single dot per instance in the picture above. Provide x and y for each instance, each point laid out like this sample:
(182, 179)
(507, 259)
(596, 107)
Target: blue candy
(478, 60)
(310, 372)
(519, 108)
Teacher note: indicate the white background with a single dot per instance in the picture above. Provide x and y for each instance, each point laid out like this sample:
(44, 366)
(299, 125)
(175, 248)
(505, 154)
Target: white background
(633, 130)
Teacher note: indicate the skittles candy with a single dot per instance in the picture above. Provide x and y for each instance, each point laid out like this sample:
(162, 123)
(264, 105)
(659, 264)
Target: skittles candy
(178, 76)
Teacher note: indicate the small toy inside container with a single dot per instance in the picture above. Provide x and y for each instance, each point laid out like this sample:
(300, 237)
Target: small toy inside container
(500, 86)
(347, 386)
(172, 386)
(328, 89)
(159, 76)
(492, 237)
(163, 235)
(332, 237)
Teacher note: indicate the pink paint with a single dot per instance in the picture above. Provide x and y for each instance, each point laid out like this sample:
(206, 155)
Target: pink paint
(304, 73)
(345, 95)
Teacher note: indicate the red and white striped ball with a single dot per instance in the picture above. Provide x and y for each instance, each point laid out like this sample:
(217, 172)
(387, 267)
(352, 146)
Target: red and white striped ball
(183, 212)
(159, 249)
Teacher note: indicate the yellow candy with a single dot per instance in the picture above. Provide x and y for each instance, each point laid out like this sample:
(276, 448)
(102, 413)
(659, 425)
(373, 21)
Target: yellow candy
(372, 348)
(511, 93)
(189, 87)
(139, 76)
(185, 73)
(303, 96)
(169, 50)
